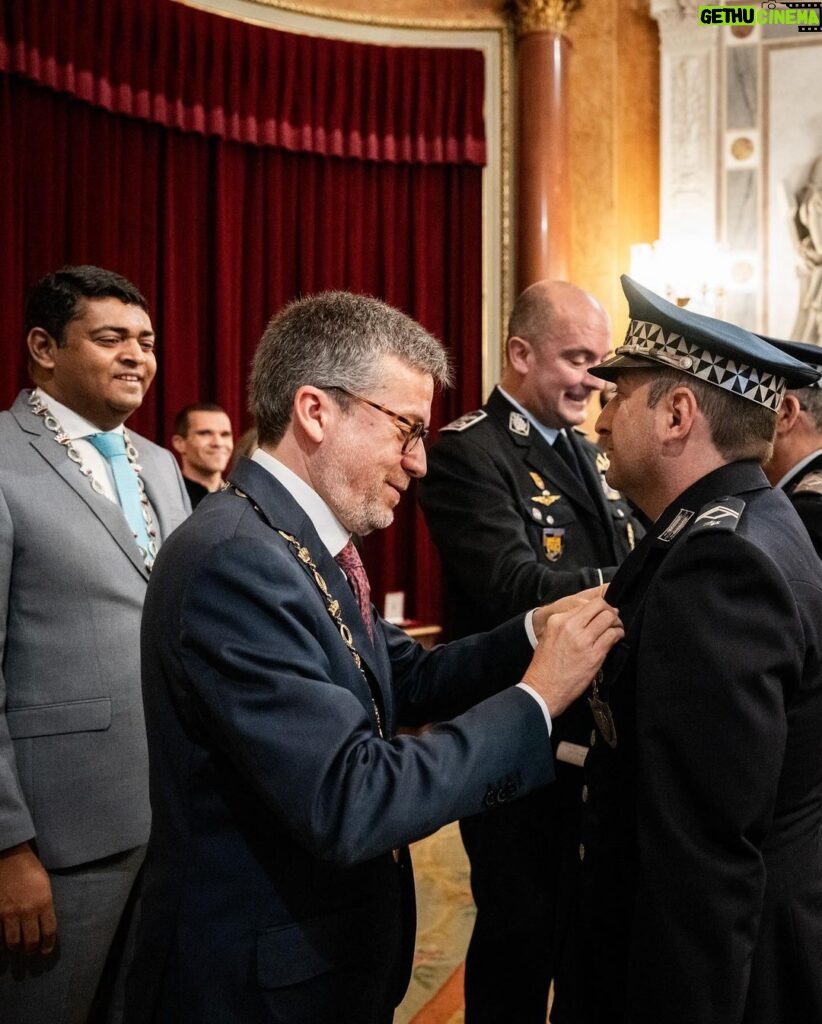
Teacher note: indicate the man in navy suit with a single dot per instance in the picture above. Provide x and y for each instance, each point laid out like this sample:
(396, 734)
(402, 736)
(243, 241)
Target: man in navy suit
(278, 884)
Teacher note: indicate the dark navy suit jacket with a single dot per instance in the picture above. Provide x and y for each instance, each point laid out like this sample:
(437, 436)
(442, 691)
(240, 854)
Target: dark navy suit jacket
(272, 892)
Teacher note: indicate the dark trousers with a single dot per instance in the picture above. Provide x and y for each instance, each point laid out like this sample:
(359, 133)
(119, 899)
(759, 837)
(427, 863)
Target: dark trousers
(524, 857)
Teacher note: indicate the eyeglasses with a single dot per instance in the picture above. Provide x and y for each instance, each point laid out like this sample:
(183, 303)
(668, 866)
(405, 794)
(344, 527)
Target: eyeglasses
(411, 430)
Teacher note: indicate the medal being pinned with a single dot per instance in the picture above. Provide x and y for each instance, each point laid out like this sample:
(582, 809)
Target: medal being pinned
(603, 716)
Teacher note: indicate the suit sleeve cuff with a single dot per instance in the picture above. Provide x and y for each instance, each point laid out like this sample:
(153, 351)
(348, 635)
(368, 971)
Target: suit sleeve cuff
(543, 706)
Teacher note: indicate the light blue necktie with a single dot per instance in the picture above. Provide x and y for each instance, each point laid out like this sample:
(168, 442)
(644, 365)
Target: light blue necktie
(112, 446)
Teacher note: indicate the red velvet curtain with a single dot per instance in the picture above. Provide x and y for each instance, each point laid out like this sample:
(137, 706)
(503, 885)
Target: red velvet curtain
(227, 168)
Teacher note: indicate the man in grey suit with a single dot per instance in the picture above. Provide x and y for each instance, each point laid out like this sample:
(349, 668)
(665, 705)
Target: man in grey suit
(83, 507)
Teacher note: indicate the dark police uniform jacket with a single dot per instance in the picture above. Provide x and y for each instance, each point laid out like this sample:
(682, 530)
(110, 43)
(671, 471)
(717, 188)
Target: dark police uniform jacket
(804, 488)
(515, 528)
(701, 874)
(513, 525)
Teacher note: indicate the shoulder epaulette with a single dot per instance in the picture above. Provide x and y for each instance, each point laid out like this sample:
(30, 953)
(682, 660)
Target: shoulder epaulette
(811, 483)
(469, 419)
(720, 515)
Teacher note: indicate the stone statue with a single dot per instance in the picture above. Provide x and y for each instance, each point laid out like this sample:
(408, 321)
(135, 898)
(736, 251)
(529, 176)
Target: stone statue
(807, 226)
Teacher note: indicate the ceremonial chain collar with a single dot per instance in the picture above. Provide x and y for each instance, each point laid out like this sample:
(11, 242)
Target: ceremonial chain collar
(331, 603)
(39, 408)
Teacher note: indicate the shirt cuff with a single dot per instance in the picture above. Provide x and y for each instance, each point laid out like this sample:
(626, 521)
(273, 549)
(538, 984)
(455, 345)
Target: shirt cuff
(545, 712)
(529, 628)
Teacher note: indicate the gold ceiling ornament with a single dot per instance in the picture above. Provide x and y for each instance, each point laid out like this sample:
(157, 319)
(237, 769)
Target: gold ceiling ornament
(543, 15)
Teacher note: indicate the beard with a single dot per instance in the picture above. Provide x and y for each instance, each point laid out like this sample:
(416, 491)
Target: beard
(360, 511)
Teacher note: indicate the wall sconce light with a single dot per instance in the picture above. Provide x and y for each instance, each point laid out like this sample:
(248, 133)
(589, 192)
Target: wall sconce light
(688, 271)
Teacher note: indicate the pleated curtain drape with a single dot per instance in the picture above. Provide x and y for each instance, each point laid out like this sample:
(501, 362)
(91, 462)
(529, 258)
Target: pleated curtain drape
(226, 168)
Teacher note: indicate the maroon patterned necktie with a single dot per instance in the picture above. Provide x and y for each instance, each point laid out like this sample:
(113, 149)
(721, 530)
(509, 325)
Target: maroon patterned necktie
(351, 564)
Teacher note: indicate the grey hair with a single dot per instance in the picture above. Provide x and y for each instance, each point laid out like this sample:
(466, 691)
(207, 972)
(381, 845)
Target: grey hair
(810, 399)
(333, 339)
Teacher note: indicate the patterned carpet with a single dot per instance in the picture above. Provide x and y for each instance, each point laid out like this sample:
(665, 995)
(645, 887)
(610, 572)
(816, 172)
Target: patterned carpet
(445, 916)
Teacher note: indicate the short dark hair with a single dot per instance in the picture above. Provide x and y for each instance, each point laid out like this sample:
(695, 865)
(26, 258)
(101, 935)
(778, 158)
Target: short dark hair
(181, 419)
(330, 340)
(740, 428)
(56, 299)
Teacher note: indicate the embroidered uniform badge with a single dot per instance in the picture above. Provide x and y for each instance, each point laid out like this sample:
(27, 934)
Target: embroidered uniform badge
(718, 515)
(553, 542)
(677, 525)
(518, 424)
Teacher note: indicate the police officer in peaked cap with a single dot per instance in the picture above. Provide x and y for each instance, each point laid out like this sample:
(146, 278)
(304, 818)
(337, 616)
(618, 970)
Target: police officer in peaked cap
(796, 464)
(700, 885)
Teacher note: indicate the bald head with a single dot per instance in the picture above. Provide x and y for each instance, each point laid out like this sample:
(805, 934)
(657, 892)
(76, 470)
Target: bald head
(556, 333)
(548, 307)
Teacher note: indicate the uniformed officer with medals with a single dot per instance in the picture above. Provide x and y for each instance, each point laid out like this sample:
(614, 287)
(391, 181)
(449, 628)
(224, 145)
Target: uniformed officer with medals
(700, 886)
(517, 502)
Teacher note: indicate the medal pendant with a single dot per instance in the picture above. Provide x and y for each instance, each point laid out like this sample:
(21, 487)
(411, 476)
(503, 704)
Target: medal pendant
(604, 719)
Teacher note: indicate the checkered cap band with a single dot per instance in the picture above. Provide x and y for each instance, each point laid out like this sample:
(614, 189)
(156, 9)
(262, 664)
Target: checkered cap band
(651, 342)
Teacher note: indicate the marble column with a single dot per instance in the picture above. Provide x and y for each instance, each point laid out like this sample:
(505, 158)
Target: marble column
(543, 218)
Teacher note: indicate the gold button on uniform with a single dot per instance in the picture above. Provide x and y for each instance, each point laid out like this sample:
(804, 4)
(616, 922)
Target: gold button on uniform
(581, 851)
(585, 794)
(593, 737)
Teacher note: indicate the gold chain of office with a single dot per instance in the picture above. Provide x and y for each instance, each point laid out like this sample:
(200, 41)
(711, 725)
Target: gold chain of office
(332, 605)
(50, 421)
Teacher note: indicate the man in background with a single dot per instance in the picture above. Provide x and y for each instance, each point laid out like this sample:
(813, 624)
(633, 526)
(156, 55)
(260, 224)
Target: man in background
(204, 441)
(278, 884)
(517, 504)
(700, 886)
(796, 463)
(84, 505)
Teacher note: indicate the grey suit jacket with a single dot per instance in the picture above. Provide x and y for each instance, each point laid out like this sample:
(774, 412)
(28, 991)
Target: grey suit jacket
(73, 761)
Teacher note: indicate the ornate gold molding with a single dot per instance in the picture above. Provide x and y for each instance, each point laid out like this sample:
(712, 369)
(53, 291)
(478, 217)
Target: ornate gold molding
(506, 205)
(542, 15)
(341, 13)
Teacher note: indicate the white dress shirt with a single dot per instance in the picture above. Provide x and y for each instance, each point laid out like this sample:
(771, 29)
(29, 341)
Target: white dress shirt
(77, 428)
